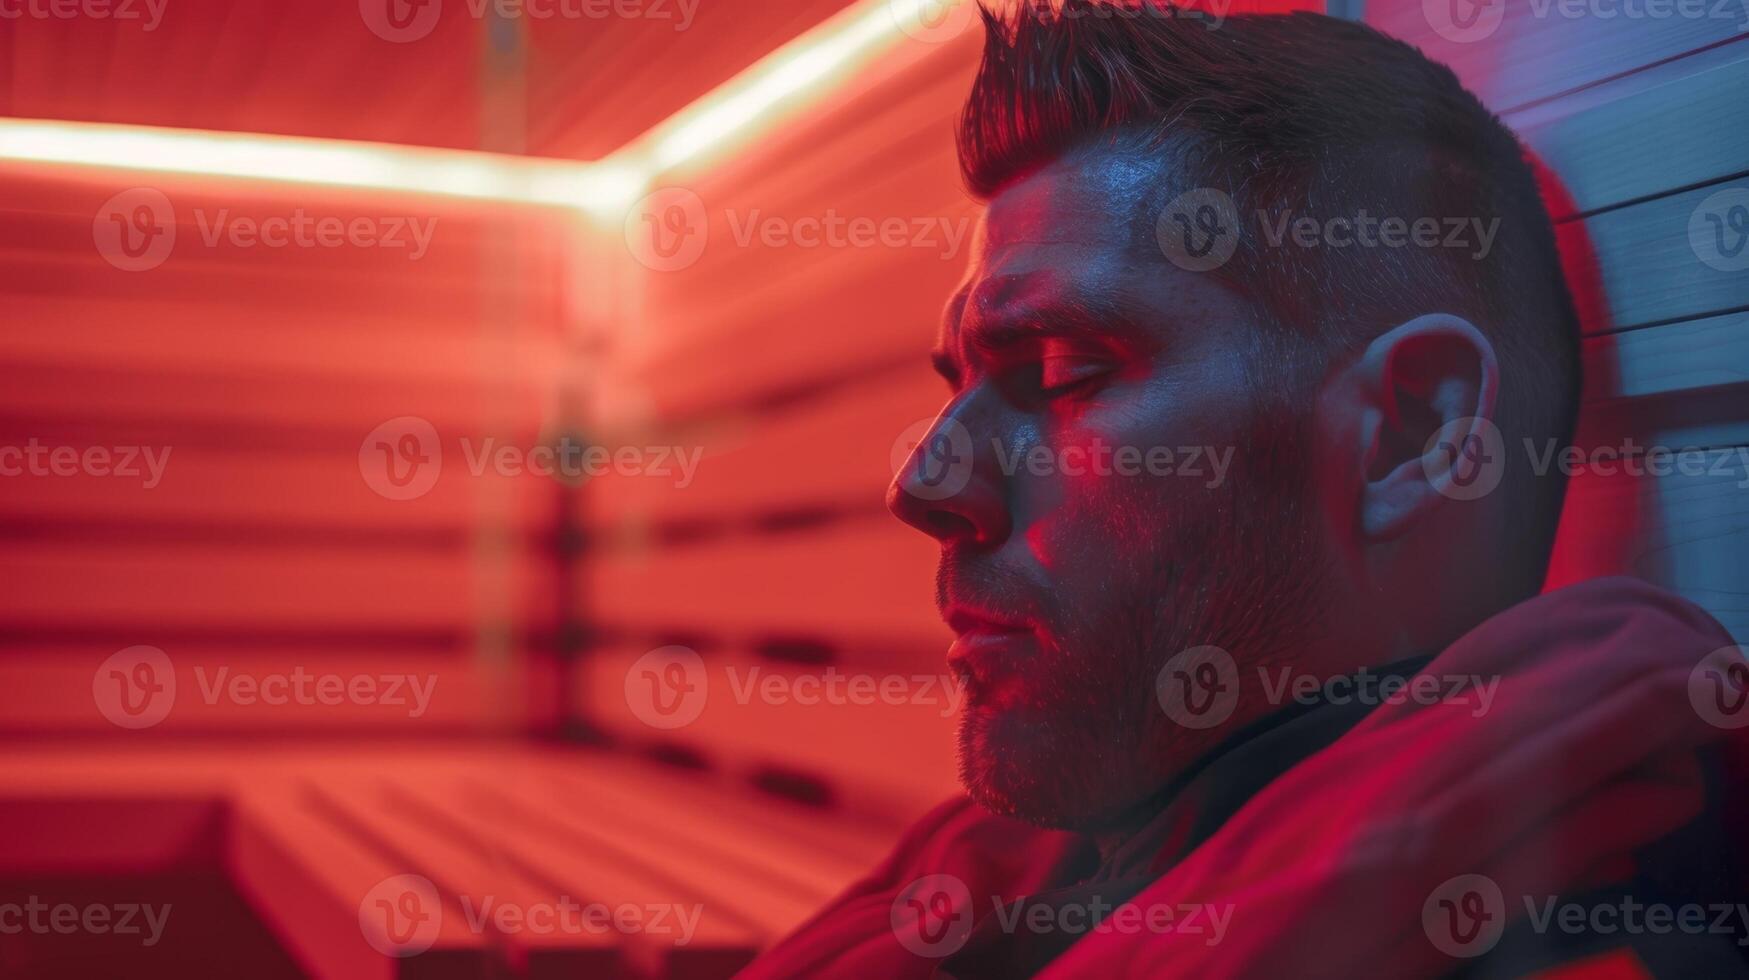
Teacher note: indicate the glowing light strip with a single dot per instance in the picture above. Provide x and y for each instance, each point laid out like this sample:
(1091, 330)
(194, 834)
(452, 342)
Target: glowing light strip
(778, 80)
(336, 163)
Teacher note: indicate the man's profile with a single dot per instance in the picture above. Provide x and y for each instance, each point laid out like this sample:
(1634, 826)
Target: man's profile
(1316, 715)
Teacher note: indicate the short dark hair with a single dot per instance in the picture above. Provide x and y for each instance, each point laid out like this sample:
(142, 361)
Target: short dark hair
(1314, 116)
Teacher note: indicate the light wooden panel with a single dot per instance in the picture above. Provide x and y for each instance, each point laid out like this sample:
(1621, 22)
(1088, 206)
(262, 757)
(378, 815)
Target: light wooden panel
(234, 586)
(815, 312)
(862, 581)
(1536, 49)
(754, 714)
(835, 451)
(1688, 532)
(50, 689)
(261, 371)
(220, 490)
(309, 834)
(1650, 269)
(1676, 385)
(1671, 126)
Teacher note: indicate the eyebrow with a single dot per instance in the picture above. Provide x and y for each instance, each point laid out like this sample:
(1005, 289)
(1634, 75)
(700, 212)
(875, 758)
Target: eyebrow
(1061, 316)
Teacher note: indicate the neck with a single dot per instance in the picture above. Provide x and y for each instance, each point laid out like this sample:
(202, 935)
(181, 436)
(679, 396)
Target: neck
(1250, 758)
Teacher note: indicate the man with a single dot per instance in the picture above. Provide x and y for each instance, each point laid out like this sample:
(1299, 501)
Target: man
(1244, 579)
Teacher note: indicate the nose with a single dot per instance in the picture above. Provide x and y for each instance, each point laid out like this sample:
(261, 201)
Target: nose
(948, 492)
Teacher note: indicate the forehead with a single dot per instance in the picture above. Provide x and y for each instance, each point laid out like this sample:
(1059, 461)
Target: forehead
(1090, 198)
(1080, 232)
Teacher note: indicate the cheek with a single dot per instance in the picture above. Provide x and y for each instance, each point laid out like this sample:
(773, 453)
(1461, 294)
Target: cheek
(1101, 506)
(1124, 470)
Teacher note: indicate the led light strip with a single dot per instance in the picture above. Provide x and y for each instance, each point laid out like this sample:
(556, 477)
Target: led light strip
(781, 79)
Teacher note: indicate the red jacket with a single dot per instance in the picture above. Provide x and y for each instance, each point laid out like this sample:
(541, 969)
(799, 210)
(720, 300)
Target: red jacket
(1577, 823)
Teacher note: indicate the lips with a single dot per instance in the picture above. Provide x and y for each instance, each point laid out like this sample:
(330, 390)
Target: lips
(964, 619)
(987, 647)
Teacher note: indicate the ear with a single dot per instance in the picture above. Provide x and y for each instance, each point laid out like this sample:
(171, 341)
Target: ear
(1427, 393)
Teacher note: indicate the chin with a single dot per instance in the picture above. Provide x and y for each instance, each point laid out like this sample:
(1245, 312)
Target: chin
(1027, 765)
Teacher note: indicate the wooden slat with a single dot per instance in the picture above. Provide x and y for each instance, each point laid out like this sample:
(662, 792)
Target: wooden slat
(1672, 359)
(50, 398)
(1676, 385)
(1650, 270)
(1654, 131)
(734, 892)
(1688, 533)
(308, 833)
(50, 690)
(1537, 49)
(306, 877)
(815, 312)
(595, 867)
(466, 249)
(838, 323)
(821, 849)
(858, 580)
(479, 880)
(206, 492)
(111, 335)
(205, 583)
(755, 715)
(837, 450)
(911, 172)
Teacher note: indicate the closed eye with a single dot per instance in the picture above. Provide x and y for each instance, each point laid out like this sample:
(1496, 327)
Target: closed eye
(1067, 368)
(1065, 374)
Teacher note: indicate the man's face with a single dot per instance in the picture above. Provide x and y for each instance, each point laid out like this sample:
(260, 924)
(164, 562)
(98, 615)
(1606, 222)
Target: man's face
(1083, 544)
